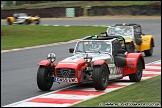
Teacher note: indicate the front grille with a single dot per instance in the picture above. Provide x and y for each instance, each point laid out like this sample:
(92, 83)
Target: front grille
(65, 73)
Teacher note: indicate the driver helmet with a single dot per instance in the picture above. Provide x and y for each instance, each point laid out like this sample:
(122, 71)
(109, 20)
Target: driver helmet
(118, 30)
(129, 31)
(94, 46)
(15, 15)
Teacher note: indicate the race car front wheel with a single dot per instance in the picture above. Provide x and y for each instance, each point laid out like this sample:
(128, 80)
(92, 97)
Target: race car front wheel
(136, 77)
(44, 78)
(100, 77)
(27, 21)
(9, 22)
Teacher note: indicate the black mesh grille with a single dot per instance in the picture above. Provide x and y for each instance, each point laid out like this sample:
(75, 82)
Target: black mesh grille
(65, 73)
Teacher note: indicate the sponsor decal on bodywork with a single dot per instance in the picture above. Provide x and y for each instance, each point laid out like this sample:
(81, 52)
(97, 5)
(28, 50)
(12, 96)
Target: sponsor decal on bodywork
(130, 64)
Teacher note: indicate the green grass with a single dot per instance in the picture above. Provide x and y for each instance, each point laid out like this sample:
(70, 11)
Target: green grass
(147, 91)
(18, 36)
(83, 4)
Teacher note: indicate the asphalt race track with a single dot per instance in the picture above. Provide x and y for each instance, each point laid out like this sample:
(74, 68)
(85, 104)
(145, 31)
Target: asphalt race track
(19, 68)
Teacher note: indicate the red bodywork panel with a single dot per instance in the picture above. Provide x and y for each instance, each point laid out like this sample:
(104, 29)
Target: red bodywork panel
(131, 63)
(99, 62)
(78, 66)
(44, 62)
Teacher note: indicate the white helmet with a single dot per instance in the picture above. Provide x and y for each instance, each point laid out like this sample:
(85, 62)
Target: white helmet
(94, 46)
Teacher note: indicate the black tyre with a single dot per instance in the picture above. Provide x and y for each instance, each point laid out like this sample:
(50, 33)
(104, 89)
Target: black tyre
(44, 79)
(9, 22)
(130, 47)
(150, 51)
(37, 22)
(20, 23)
(100, 77)
(136, 77)
(27, 22)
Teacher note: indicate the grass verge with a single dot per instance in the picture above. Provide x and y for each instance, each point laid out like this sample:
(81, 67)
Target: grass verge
(147, 92)
(19, 36)
(82, 4)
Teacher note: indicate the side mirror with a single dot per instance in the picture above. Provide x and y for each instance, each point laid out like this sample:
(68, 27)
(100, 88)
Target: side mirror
(71, 50)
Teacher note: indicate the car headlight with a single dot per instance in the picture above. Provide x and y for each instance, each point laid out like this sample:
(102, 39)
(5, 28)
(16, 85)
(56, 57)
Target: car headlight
(51, 57)
(88, 58)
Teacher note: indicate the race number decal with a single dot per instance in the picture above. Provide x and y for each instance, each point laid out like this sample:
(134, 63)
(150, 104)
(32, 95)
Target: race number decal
(116, 70)
(119, 70)
(70, 80)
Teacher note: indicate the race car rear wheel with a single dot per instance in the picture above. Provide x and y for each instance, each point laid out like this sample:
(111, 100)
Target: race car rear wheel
(9, 22)
(136, 77)
(150, 51)
(130, 47)
(37, 22)
(44, 78)
(100, 77)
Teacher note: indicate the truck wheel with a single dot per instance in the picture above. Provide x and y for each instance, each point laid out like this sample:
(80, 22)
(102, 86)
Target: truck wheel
(136, 77)
(150, 51)
(44, 79)
(100, 77)
(130, 47)
(9, 22)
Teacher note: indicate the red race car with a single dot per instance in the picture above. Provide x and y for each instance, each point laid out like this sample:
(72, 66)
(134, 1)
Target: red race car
(98, 59)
